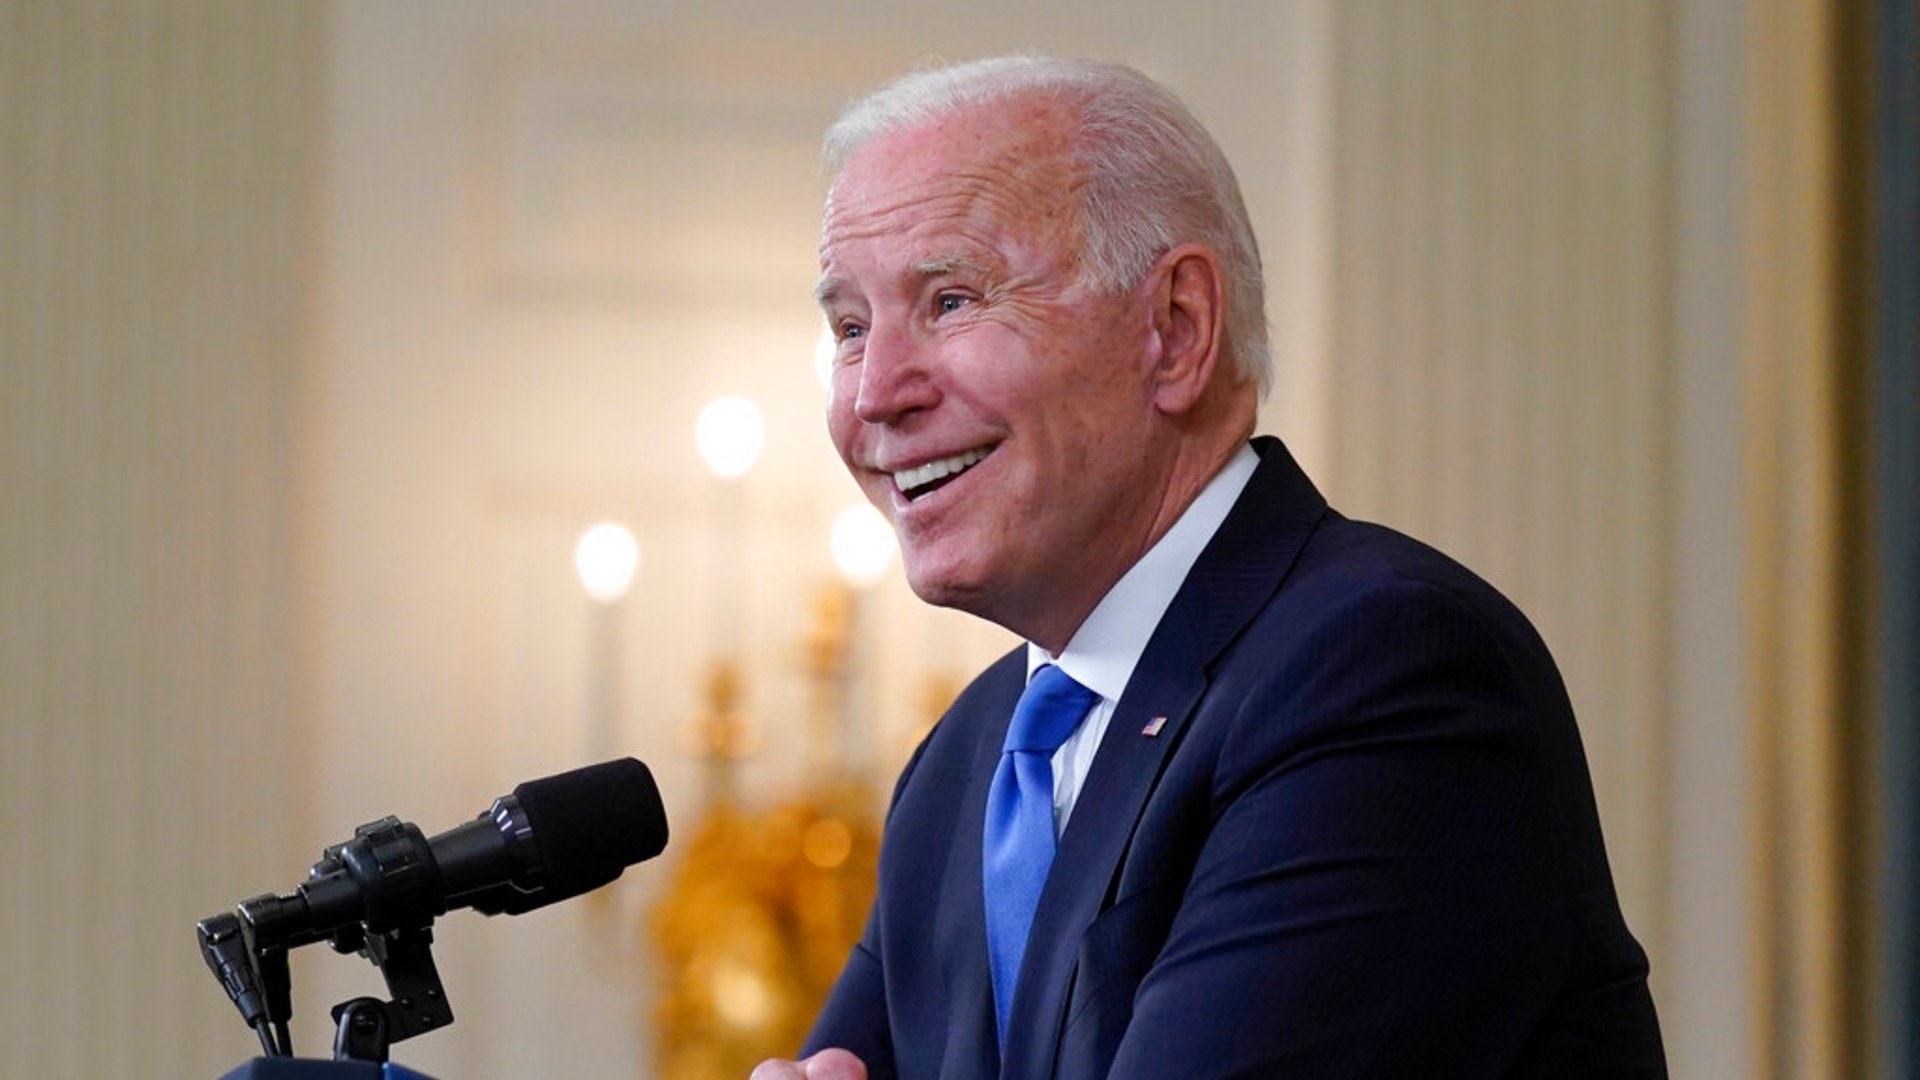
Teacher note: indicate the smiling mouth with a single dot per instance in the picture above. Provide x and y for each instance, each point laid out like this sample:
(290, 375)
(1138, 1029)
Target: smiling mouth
(928, 478)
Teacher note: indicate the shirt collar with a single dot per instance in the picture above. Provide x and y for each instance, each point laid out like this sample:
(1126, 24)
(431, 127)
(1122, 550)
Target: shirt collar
(1102, 654)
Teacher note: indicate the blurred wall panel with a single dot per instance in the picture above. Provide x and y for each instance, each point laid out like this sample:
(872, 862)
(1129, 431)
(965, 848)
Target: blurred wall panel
(154, 257)
(1800, 362)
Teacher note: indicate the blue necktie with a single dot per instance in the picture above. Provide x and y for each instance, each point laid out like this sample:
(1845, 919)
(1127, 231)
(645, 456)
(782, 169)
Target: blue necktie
(1019, 839)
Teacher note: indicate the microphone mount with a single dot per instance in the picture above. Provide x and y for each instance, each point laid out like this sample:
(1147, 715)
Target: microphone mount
(385, 882)
(367, 1026)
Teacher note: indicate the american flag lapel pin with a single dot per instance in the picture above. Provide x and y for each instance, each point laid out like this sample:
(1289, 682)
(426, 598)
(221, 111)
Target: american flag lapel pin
(1153, 726)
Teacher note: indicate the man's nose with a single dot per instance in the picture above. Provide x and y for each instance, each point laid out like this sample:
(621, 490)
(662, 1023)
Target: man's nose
(896, 376)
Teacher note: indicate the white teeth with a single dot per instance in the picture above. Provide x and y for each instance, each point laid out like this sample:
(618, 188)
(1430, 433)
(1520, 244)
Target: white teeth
(908, 479)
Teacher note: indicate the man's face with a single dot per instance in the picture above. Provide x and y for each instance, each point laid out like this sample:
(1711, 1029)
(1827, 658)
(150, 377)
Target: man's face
(992, 405)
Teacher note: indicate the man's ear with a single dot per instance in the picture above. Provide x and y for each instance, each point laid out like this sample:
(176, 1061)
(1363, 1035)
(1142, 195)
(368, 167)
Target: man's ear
(1189, 312)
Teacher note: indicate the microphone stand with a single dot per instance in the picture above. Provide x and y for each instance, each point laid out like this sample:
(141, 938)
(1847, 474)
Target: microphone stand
(367, 1026)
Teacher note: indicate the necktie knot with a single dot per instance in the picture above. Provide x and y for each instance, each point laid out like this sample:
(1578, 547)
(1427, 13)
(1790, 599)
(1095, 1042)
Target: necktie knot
(1047, 713)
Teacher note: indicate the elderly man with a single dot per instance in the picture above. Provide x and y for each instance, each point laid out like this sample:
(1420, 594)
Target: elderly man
(1268, 792)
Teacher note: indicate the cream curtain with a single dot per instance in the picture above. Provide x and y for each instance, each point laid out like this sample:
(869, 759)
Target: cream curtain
(1590, 331)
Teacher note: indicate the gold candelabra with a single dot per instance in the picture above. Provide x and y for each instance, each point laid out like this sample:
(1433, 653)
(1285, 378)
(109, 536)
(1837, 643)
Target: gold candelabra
(765, 904)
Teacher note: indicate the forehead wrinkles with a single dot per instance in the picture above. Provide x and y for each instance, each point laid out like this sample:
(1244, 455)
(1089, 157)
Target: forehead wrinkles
(1022, 183)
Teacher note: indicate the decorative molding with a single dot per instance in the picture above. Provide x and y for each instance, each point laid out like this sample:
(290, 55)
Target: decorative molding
(644, 172)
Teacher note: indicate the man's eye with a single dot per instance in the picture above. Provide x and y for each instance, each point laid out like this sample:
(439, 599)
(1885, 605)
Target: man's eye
(948, 303)
(850, 330)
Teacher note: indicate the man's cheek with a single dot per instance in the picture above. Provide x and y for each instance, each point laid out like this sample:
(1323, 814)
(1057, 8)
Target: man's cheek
(842, 430)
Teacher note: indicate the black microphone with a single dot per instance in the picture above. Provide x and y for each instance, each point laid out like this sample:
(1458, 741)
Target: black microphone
(552, 839)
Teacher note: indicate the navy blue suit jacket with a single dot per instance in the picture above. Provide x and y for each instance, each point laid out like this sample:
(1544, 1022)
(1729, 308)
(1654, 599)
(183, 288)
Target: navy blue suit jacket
(1362, 844)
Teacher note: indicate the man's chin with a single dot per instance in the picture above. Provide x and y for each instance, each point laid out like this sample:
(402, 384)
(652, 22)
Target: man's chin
(934, 590)
(942, 586)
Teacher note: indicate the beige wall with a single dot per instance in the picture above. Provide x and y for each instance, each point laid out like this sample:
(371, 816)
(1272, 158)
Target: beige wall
(157, 166)
(1508, 260)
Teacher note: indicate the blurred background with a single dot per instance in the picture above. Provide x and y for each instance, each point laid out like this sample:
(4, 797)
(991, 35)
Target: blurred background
(329, 329)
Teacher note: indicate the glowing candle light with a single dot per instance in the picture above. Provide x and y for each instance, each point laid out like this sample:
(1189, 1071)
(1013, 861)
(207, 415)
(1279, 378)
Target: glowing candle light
(730, 434)
(606, 558)
(863, 545)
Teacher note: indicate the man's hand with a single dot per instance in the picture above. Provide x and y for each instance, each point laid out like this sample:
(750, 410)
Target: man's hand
(825, 1065)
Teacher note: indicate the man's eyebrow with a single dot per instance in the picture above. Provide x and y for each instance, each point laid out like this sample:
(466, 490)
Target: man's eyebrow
(825, 292)
(830, 288)
(949, 263)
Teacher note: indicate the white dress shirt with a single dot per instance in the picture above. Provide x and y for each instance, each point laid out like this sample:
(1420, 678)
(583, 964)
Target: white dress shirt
(1102, 654)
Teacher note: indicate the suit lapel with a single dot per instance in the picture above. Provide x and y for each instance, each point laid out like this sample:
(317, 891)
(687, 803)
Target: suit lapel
(972, 1033)
(1232, 581)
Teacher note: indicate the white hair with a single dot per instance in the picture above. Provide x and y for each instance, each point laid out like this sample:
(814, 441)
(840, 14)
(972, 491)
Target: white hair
(1155, 178)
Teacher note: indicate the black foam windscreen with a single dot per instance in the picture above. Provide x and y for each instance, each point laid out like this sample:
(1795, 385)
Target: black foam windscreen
(591, 823)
